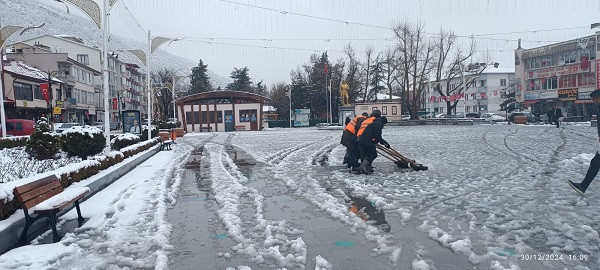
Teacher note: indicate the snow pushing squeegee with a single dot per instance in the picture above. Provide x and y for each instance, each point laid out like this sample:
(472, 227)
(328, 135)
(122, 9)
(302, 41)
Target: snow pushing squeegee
(400, 160)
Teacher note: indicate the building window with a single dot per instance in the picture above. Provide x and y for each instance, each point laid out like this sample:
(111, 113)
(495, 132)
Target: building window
(384, 110)
(37, 92)
(247, 116)
(188, 118)
(586, 79)
(23, 91)
(75, 73)
(482, 83)
(502, 82)
(569, 57)
(394, 110)
(475, 107)
(549, 83)
(83, 58)
(567, 81)
(69, 93)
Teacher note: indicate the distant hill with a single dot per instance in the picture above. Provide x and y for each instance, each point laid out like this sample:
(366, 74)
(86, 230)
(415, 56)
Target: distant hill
(58, 22)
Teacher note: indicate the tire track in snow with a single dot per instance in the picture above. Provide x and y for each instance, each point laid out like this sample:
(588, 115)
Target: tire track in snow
(322, 155)
(262, 241)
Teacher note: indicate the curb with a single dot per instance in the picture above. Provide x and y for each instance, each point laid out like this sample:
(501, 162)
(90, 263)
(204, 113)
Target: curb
(10, 235)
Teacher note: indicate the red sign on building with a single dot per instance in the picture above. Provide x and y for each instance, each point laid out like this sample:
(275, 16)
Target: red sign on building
(115, 103)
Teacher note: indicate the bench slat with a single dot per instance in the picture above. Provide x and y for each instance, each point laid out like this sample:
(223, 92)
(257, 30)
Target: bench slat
(27, 196)
(62, 205)
(35, 201)
(35, 184)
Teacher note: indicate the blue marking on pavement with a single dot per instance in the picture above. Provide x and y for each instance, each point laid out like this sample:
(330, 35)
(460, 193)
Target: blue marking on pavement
(506, 252)
(200, 198)
(344, 243)
(220, 236)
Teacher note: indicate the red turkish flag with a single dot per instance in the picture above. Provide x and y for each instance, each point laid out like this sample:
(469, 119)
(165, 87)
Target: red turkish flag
(326, 68)
(44, 87)
(115, 102)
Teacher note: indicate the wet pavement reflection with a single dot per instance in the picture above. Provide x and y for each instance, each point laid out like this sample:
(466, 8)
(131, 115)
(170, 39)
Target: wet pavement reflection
(367, 211)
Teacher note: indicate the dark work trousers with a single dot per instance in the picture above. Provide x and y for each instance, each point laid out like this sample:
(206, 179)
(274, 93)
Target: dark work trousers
(368, 153)
(592, 172)
(353, 156)
(556, 121)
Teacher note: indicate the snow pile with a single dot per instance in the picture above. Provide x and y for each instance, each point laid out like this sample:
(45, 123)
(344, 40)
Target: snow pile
(322, 264)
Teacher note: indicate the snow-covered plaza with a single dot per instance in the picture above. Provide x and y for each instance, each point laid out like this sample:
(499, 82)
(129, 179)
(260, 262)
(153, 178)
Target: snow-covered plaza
(494, 197)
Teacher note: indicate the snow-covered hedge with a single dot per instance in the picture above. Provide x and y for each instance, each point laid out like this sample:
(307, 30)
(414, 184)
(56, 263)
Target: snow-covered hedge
(124, 140)
(12, 142)
(69, 174)
(83, 141)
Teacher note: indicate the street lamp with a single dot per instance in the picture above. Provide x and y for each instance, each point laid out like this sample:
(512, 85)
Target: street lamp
(144, 56)
(92, 10)
(5, 33)
(290, 95)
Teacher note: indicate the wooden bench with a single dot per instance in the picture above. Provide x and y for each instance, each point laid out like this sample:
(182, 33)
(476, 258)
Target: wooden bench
(240, 128)
(165, 144)
(46, 198)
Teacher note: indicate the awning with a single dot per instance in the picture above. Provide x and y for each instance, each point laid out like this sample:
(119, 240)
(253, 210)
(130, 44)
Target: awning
(584, 101)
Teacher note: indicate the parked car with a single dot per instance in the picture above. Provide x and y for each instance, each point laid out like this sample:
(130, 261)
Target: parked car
(99, 125)
(405, 117)
(529, 115)
(19, 127)
(493, 117)
(60, 127)
(472, 115)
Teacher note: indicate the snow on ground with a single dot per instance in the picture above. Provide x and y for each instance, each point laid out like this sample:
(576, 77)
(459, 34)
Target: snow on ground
(125, 226)
(494, 196)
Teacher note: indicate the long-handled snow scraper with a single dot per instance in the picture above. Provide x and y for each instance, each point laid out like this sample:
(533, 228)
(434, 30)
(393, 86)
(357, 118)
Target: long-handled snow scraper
(400, 160)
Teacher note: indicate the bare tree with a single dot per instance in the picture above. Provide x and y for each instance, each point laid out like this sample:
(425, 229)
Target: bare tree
(162, 95)
(415, 59)
(448, 68)
(390, 67)
(353, 75)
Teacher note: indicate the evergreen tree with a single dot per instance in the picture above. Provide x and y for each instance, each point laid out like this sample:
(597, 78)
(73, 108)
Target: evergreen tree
(241, 80)
(376, 78)
(261, 89)
(508, 104)
(200, 80)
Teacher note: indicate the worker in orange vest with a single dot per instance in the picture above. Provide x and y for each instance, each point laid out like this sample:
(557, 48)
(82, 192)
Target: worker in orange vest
(369, 135)
(349, 140)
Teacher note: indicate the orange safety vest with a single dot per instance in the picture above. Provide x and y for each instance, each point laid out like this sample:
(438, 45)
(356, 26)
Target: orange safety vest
(364, 125)
(352, 125)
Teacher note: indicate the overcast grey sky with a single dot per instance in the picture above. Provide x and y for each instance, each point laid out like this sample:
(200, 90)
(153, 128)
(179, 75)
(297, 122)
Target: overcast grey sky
(267, 37)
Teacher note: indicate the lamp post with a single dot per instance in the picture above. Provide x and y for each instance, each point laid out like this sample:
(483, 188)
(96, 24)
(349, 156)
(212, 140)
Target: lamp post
(290, 95)
(144, 56)
(5, 33)
(100, 17)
